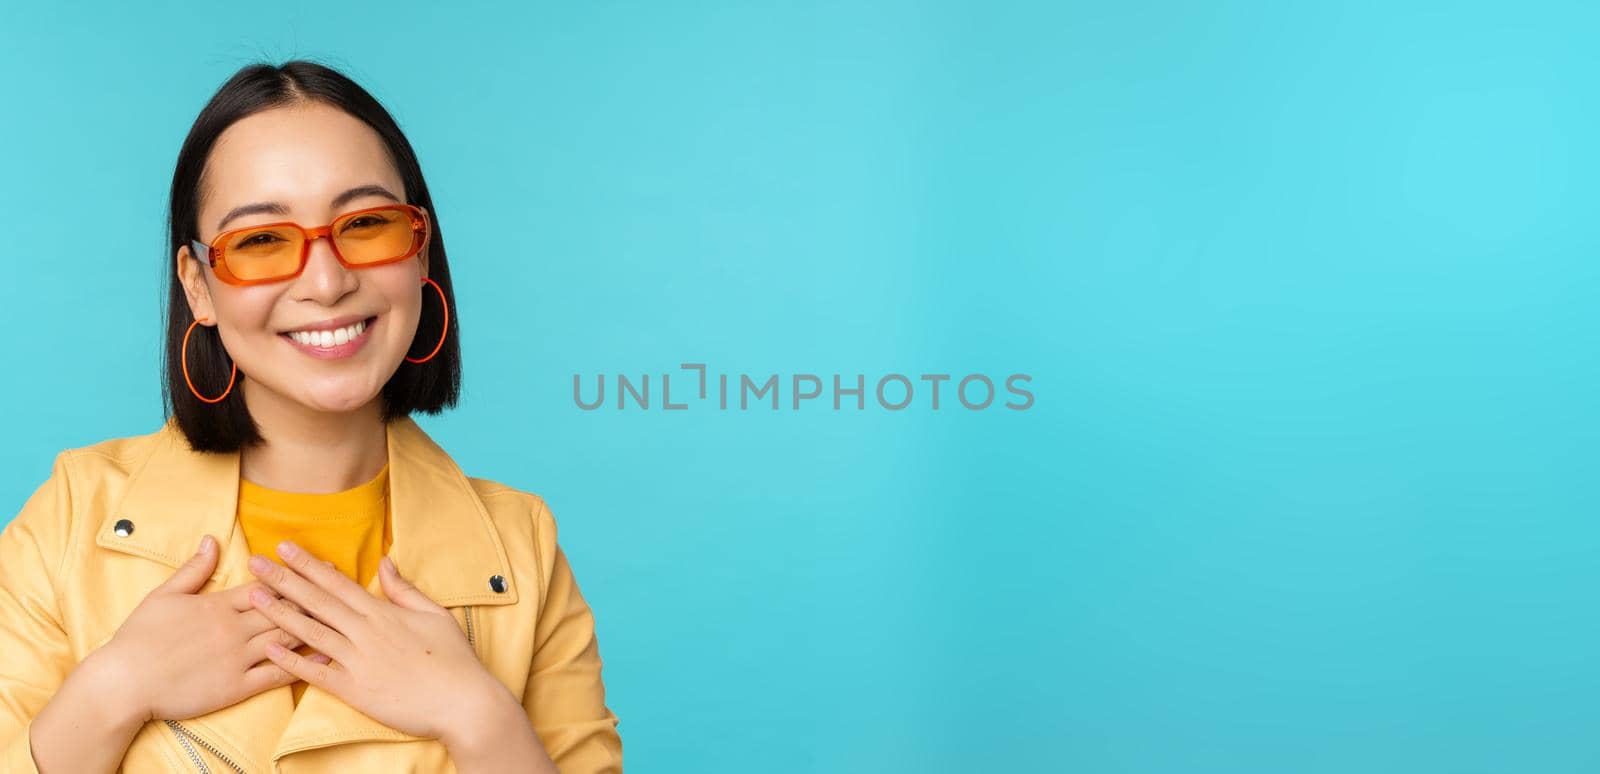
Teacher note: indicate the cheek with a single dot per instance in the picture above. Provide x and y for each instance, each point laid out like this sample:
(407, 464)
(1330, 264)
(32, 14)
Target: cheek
(401, 296)
(247, 312)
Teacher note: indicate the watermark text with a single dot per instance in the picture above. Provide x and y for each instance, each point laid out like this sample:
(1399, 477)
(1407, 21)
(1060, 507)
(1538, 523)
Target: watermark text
(697, 387)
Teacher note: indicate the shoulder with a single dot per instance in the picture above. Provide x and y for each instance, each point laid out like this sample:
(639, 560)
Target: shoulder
(525, 523)
(487, 488)
(81, 469)
(114, 456)
(99, 471)
(512, 505)
(53, 516)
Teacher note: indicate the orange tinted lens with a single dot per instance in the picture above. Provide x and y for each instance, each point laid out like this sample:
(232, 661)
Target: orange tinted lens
(375, 235)
(263, 253)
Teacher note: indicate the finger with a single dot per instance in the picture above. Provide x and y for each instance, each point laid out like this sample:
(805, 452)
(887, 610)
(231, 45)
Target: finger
(310, 631)
(401, 592)
(256, 647)
(290, 583)
(239, 600)
(266, 676)
(324, 575)
(194, 573)
(320, 658)
(324, 676)
(239, 596)
(255, 622)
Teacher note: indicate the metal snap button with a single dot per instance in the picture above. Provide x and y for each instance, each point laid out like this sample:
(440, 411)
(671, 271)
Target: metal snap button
(498, 583)
(123, 528)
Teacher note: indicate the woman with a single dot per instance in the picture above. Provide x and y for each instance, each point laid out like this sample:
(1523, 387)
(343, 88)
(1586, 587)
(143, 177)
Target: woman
(290, 576)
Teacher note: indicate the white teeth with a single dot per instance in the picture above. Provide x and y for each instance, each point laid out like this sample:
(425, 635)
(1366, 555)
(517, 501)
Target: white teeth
(333, 338)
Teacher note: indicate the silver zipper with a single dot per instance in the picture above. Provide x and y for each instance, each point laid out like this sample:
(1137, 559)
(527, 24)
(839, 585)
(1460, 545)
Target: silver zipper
(184, 735)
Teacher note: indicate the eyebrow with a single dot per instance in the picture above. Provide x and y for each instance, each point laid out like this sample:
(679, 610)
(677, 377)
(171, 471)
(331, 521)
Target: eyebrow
(279, 208)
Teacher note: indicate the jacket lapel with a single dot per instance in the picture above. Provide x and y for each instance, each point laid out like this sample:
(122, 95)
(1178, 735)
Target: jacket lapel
(444, 542)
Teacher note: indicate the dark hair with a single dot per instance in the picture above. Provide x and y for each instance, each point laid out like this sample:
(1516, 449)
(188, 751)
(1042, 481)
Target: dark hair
(428, 387)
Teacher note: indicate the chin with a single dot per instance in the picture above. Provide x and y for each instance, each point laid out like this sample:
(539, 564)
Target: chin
(337, 402)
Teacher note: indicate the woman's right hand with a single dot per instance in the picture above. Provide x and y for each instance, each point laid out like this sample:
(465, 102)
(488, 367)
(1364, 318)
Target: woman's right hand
(181, 654)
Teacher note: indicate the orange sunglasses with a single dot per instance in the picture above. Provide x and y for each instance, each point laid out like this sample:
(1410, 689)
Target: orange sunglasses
(272, 252)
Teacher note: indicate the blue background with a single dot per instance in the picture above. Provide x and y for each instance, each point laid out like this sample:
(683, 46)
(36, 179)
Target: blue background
(1307, 292)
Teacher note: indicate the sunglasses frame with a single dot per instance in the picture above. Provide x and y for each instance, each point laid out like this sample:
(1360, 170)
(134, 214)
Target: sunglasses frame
(219, 264)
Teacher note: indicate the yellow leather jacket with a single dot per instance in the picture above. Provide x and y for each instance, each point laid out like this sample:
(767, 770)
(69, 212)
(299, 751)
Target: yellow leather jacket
(115, 519)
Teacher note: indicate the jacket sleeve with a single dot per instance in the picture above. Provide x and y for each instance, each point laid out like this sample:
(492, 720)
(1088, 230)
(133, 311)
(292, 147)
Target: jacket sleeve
(565, 698)
(35, 656)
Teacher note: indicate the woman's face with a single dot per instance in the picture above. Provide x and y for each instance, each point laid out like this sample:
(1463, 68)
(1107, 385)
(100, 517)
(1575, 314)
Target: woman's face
(305, 159)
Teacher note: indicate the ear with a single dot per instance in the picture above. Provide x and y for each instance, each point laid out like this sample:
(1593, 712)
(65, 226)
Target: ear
(427, 242)
(191, 273)
(424, 255)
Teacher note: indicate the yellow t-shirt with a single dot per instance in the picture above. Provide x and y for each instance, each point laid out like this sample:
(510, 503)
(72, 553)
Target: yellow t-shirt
(349, 528)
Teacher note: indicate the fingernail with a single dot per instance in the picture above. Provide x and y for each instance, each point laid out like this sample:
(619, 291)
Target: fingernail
(206, 543)
(259, 597)
(389, 563)
(287, 549)
(259, 563)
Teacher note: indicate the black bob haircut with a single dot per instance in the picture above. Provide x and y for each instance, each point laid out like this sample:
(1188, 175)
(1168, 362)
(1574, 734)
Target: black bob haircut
(226, 426)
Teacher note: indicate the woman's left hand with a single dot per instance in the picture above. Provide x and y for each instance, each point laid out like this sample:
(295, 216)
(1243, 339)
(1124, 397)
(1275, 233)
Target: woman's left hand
(398, 660)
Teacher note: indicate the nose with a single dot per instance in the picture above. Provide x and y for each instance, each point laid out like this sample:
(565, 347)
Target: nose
(325, 280)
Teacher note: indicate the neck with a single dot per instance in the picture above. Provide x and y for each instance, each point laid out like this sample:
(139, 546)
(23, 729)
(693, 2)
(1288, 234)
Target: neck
(312, 452)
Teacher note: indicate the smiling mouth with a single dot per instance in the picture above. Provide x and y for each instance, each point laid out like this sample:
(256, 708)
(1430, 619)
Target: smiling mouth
(334, 337)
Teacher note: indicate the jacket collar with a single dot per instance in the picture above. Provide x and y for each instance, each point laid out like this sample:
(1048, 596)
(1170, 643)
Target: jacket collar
(443, 538)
